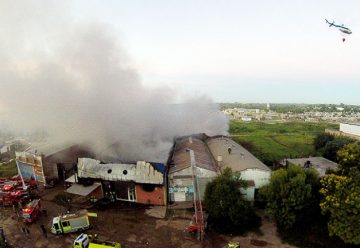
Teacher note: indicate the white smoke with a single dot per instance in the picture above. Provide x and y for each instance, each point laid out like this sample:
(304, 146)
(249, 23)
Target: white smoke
(77, 83)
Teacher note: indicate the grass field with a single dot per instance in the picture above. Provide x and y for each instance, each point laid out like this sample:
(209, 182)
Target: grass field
(273, 142)
(8, 169)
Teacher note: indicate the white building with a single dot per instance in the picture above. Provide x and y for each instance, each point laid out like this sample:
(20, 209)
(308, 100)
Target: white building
(350, 129)
(230, 154)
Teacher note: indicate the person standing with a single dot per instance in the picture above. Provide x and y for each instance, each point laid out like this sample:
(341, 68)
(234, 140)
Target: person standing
(44, 231)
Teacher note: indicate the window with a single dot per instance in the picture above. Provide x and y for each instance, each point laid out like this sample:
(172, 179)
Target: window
(65, 223)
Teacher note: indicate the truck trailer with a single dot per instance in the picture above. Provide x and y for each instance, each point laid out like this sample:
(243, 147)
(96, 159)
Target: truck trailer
(71, 222)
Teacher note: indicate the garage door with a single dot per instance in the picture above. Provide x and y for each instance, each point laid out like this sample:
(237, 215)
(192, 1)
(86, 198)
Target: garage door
(179, 196)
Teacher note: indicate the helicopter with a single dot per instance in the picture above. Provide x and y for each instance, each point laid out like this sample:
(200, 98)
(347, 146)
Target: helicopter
(342, 28)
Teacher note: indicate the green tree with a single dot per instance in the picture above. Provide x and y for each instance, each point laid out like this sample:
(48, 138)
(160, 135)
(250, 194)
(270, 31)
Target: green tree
(322, 139)
(342, 202)
(349, 157)
(332, 147)
(291, 195)
(228, 211)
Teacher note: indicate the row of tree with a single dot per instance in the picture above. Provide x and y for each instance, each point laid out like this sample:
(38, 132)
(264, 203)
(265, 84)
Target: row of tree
(299, 200)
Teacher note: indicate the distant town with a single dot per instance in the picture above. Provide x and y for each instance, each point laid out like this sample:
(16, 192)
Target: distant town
(292, 112)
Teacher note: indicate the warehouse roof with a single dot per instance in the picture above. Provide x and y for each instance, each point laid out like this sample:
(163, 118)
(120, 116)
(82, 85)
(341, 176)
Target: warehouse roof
(181, 158)
(319, 163)
(47, 149)
(78, 189)
(232, 155)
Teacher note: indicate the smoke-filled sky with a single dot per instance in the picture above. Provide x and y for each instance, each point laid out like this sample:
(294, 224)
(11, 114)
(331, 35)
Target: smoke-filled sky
(74, 78)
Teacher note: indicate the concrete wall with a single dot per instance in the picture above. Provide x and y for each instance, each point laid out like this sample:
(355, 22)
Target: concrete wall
(248, 193)
(155, 197)
(260, 177)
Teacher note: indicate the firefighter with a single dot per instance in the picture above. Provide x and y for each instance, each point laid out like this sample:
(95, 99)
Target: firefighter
(112, 196)
(92, 199)
(44, 231)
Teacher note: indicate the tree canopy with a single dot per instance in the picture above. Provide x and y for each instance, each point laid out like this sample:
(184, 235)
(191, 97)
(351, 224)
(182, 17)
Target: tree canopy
(228, 211)
(332, 147)
(321, 139)
(342, 201)
(349, 157)
(291, 191)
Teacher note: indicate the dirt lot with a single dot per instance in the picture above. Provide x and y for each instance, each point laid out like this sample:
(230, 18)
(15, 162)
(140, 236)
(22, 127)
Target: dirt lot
(128, 225)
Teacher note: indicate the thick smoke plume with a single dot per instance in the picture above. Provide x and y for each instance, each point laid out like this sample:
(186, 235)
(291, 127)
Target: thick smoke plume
(78, 84)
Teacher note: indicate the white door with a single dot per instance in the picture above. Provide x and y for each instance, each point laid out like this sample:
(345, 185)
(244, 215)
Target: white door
(179, 196)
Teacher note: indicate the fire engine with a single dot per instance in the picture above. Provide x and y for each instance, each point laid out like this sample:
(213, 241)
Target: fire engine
(31, 212)
(72, 222)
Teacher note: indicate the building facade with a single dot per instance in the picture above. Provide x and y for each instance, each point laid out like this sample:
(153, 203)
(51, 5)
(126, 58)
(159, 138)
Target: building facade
(191, 167)
(142, 182)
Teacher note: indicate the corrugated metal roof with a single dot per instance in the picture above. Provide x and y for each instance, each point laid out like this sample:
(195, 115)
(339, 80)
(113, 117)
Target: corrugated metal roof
(78, 189)
(141, 172)
(47, 148)
(238, 159)
(181, 158)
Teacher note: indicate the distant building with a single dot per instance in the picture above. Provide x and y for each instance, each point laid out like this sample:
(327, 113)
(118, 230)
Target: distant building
(318, 163)
(350, 129)
(4, 149)
(246, 119)
(230, 154)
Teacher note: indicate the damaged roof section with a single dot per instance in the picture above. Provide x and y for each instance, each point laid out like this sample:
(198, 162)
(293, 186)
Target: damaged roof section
(141, 172)
(181, 158)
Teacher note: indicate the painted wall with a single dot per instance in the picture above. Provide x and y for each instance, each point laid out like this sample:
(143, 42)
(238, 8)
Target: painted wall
(260, 177)
(30, 166)
(155, 197)
(248, 193)
(181, 183)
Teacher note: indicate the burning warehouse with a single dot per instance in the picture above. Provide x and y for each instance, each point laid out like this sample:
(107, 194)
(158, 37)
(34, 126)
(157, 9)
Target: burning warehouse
(142, 182)
(46, 163)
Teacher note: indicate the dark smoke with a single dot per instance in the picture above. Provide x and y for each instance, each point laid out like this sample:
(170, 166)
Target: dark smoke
(77, 83)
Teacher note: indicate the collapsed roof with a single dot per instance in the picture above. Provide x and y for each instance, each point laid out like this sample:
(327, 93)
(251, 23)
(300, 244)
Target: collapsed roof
(141, 172)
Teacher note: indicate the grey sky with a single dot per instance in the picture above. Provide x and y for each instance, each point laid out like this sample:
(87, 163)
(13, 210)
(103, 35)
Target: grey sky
(247, 51)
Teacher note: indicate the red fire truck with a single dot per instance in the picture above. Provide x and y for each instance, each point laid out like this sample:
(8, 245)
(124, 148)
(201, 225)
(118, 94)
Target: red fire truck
(31, 212)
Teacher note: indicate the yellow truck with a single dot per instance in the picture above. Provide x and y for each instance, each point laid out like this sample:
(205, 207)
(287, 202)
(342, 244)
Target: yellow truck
(88, 241)
(71, 222)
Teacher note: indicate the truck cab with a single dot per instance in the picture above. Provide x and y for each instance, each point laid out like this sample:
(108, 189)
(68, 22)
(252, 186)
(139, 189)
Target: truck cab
(82, 241)
(31, 212)
(56, 228)
(88, 241)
